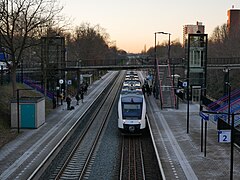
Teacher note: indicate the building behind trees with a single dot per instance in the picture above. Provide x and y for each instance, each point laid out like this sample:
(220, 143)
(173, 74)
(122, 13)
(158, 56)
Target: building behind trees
(192, 29)
(233, 22)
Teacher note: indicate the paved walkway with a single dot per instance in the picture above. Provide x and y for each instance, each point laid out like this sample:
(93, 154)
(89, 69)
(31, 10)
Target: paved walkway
(180, 153)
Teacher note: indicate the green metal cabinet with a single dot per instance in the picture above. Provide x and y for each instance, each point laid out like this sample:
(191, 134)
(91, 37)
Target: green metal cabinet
(31, 113)
(27, 115)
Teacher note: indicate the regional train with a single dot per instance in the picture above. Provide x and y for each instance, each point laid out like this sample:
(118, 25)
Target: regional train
(131, 106)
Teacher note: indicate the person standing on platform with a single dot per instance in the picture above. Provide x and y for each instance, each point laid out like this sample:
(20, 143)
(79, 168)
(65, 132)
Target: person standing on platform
(82, 93)
(68, 99)
(54, 101)
(61, 98)
(77, 98)
(86, 87)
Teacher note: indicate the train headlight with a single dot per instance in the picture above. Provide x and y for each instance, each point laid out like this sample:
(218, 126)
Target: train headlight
(124, 121)
(139, 121)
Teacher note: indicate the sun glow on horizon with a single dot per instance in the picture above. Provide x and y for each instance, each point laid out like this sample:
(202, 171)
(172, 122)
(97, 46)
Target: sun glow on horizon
(131, 24)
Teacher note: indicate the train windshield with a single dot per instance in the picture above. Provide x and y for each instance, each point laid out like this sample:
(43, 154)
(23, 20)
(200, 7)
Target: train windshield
(133, 110)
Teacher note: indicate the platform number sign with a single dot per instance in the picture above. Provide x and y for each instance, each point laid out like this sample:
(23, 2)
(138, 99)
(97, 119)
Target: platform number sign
(224, 136)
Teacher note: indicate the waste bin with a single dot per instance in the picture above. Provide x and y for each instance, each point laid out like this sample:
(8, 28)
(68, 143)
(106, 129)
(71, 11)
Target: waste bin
(31, 112)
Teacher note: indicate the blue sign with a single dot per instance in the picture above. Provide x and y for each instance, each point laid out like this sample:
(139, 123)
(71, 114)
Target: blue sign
(2, 56)
(204, 116)
(184, 84)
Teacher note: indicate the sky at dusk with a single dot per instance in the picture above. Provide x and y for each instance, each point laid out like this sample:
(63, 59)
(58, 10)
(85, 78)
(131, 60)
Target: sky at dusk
(131, 23)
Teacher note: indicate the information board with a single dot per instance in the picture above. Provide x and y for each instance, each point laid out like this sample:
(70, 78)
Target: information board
(224, 136)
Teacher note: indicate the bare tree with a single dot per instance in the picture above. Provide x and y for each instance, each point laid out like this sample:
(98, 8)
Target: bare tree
(88, 44)
(21, 22)
(220, 34)
(223, 44)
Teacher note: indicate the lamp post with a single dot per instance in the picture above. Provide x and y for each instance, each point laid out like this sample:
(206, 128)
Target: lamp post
(169, 43)
(226, 79)
(188, 75)
(156, 68)
(79, 61)
(232, 130)
(169, 46)
(228, 90)
(155, 55)
(22, 70)
(170, 62)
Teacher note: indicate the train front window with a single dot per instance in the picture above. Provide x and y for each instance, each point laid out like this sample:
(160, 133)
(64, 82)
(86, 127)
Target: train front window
(133, 111)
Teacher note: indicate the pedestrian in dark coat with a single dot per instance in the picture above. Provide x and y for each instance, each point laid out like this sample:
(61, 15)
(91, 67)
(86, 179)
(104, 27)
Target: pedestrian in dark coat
(77, 98)
(148, 90)
(68, 99)
(61, 97)
(82, 95)
(86, 87)
(54, 101)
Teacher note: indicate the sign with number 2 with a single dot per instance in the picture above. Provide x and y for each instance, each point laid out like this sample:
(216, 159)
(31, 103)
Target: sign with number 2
(224, 136)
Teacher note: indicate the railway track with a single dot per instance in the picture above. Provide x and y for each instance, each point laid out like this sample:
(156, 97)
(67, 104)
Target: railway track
(79, 160)
(77, 164)
(132, 162)
(78, 155)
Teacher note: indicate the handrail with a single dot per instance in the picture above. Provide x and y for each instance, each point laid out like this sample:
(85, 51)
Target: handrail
(233, 102)
(224, 98)
(172, 84)
(160, 88)
(37, 87)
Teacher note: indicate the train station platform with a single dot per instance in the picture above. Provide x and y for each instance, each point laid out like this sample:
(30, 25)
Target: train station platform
(179, 153)
(20, 157)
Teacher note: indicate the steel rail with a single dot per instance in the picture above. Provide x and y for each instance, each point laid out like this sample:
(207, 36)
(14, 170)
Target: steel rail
(106, 117)
(95, 113)
(142, 162)
(76, 148)
(121, 161)
(132, 161)
(43, 165)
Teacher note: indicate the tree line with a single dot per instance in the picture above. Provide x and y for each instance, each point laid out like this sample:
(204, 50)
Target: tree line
(24, 22)
(223, 45)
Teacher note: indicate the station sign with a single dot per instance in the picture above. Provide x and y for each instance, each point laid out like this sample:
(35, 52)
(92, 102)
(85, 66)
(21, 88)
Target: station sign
(204, 116)
(224, 136)
(184, 84)
(61, 81)
(69, 82)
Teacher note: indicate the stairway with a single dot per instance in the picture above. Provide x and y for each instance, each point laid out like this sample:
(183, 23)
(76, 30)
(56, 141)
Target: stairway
(166, 87)
(37, 87)
(222, 106)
